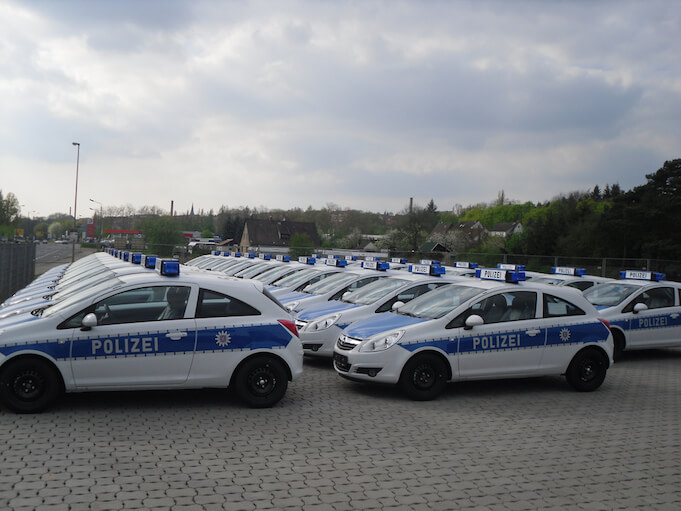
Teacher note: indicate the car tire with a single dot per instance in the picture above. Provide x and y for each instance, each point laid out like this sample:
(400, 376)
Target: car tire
(424, 377)
(261, 382)
(29, 385)
(587, 370)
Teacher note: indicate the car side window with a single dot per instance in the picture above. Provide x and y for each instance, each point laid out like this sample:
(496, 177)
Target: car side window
(152, 303)
(556, 307)
(216, 305)
(655, 298)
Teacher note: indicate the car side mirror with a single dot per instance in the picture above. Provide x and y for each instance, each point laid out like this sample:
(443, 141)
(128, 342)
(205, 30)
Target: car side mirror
(640, 307)
(89, 321)
(397, 305)
(472, 321)
(346, 295)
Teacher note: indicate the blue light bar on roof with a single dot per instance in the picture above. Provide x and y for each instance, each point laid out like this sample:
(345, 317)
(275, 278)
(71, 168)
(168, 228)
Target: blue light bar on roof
(375, 265)
(236, 254)
(465, 264)
(500, 275)
(168, 267)
(568, 270)
(427, 269)
(512, 267)
(336, 262)
(136, 258)
(372, 258)
(251, 255)
(283, 258)
(398, 260)
(126, 256)
(307, 260)
(149, 261)
(642, 275)
(265, 257)
(430, 262)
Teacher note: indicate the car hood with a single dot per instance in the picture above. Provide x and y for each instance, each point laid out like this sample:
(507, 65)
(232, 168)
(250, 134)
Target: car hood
(323, 310)
(383, 322)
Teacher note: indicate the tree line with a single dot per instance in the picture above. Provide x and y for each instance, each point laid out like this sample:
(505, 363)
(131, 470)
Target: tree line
(602, 222)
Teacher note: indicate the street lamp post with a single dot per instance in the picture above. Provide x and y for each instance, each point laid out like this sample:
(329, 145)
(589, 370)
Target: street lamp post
(75, 203)
(101, 219)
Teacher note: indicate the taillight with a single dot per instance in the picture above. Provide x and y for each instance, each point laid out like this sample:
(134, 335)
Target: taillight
(290, 325)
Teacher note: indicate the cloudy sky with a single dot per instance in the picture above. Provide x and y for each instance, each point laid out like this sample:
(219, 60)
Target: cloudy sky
(360, 104)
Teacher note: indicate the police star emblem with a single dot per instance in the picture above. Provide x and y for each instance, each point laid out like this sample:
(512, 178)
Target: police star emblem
(222, 339)
(564, 334)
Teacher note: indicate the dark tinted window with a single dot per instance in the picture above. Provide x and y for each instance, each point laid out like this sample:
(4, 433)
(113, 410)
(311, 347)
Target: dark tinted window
(215, 305)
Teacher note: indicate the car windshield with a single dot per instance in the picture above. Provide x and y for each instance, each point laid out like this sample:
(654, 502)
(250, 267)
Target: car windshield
(374, 291)
(296, 279)
(330, 283)
(253, 270)
(439, 302)
(609, 295)
(81, 297)
(275, 273)
(77, 287)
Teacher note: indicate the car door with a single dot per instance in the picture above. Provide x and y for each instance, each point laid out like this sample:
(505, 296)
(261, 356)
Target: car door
(227, 328)
(658, 323)
(511, 341)
(142, 338)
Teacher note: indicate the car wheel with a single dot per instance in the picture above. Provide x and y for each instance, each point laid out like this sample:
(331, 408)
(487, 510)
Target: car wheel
(424, 377)
(587, 370)
(29, 385)
(261, 381)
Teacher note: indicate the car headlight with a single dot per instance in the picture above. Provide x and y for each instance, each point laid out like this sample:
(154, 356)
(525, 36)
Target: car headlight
(291, 306)
(322, 324)
(382, 342)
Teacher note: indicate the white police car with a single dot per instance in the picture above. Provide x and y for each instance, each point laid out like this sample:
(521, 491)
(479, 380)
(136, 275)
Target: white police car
(479, 329)
(320, 326)
(153, 331)
(643, 309)
(330, 288)
(572, 277)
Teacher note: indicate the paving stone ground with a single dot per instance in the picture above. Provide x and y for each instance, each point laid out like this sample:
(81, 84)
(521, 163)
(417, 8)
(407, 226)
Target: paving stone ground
(335, 445)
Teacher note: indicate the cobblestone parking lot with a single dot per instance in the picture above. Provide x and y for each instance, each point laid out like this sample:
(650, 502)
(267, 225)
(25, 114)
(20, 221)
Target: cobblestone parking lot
(332, 445)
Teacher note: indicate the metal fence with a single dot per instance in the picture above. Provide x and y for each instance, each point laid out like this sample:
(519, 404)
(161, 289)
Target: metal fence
(17, 267)
(602, 266)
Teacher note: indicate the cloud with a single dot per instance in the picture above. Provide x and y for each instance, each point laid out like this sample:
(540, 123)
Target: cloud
(363, 104)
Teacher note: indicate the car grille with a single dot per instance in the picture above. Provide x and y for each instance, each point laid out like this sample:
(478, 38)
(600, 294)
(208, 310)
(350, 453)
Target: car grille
(346, 343)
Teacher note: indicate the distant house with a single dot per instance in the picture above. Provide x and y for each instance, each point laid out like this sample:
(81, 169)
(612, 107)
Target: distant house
(275, 234)
(506, 229)
(472, 230)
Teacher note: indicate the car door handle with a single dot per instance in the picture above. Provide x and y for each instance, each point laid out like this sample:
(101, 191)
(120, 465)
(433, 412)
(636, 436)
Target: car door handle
(532, 333)
(176, 336)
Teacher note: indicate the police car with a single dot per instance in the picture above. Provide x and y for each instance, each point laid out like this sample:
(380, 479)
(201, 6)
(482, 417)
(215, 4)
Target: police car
(643, 309)
(158, 330)
(320, 326)
(571, 276)
(494, 326)
(332, 287)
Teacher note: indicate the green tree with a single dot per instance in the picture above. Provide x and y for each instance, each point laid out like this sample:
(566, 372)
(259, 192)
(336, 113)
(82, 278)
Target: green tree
(9, 214)
(300, 245)
(161, 234)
